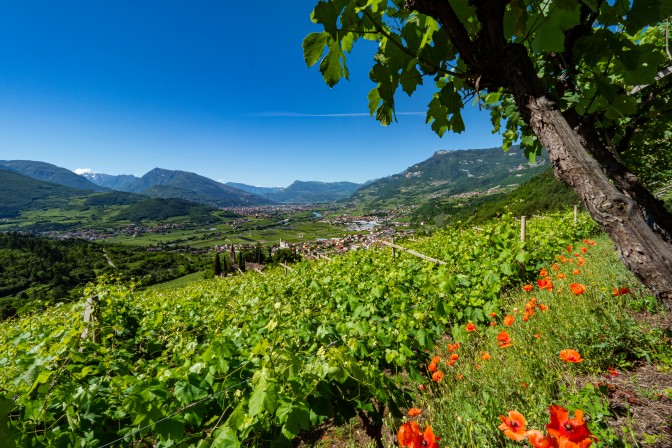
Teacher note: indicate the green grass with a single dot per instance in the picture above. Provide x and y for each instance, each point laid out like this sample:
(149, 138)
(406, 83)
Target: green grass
(179, 282)
(529, 375)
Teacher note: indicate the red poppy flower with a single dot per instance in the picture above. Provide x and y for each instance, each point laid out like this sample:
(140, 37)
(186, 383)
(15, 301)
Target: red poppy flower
(454, 357)
(576, 271)
(526, 316)
(555, 266)
(414, 411)
(421, 387)
(613, 371)
(545, 283)
(543, 307)
(620, 291)
(538, 335)
(508, 320)
(450, 363)
(504, 340)
(561, 275)
(437, 376)
(539, 440)
(460, 376)
(543, 273)
(569, 355)
(471, 327)
(409, 435)
(570, 429)
(432, 367)
(513, 426)
(453, 347)
(584, 249)
(493, 314)
(429, 439)
(577, 288)
(569, 248)
(493, 323)
(581, 261)
(527, 288)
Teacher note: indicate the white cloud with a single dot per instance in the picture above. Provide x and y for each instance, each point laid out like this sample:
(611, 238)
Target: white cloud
(84, 171)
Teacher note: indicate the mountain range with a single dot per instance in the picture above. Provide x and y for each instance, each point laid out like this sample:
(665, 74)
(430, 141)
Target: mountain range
(450, 173)
(445, 174)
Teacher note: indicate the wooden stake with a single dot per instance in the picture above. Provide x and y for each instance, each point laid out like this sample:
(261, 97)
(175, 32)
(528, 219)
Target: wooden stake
(523, 228)
(412, 252)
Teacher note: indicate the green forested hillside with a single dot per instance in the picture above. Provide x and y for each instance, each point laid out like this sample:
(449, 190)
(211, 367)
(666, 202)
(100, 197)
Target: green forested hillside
(449, 173)
(36, 270)
(543, 193)
(19, 192)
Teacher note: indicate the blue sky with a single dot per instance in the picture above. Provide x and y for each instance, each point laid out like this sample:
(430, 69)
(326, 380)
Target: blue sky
(212, 87)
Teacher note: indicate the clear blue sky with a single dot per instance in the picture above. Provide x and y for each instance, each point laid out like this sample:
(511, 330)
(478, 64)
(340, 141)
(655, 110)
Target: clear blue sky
(213, 87)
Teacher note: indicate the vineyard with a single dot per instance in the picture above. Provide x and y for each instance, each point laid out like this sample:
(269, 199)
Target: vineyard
(259, 359)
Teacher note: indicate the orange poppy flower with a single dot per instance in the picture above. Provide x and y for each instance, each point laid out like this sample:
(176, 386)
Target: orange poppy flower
(543, 273)
(504, 340)
(584, 250)
(414, 411)
(436, 359)
(620, 291)
(569, 248)
(581, 261)
(613, 371)
(437, 376)
(538, 440)
(526, 316)
(429, 439)
(538, 335)
(561, 275)
(569, 355)
(577, 288)
(527, 288)
(493, 323)
(513, 426)
(545, 283)
(555, 266)
(409, 435)
(570, 429)
(432, 367)
(454, 357)
(450, 363)
(592, 243)
(508, 320)
(493, 314)
(453, 347)
(460, 376)
(471, 327)
(485, 356)
(543, 307)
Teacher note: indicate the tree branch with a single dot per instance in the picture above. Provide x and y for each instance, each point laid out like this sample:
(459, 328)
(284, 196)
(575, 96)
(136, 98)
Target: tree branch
(443, 12)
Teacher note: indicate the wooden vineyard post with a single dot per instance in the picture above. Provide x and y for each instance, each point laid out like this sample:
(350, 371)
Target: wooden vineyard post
(90, 316)
(523, 228)
(412, 252)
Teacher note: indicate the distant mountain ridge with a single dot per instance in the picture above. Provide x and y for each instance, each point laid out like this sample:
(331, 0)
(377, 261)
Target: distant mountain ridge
(121, 182)
(304, 192)
(448, 173)
(51, 173)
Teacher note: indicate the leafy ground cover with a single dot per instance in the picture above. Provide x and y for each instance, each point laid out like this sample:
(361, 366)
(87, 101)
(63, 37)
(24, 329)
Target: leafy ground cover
(279, 359)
